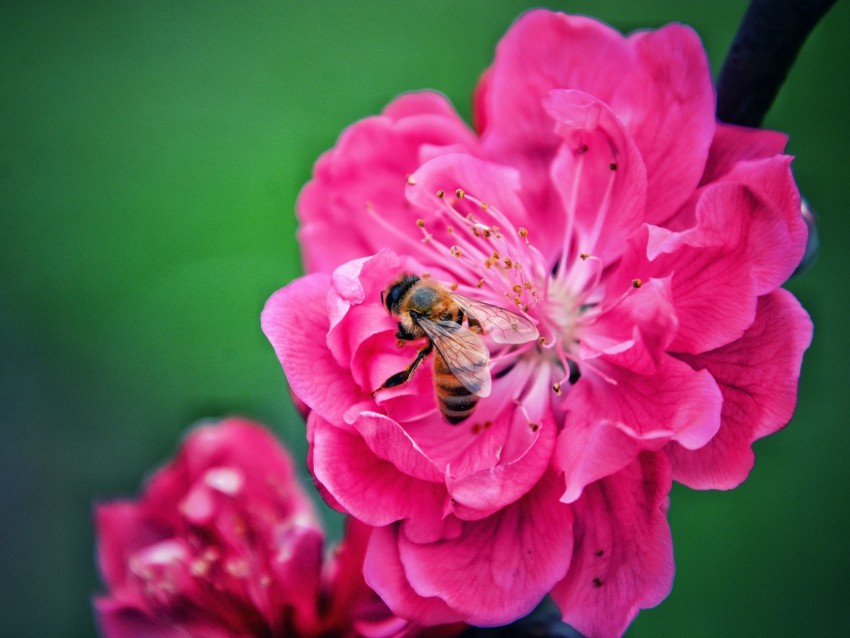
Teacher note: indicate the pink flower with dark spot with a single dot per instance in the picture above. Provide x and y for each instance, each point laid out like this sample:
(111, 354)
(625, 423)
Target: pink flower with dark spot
(600, 201)
(224, 542)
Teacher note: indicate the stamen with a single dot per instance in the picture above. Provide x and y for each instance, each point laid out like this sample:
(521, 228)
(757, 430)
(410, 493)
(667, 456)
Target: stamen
(571, 214)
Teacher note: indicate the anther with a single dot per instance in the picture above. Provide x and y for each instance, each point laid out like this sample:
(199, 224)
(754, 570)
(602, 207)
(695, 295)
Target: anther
(508, 262)
(450, 229)
(420, 223)
(411, 180)
(484, 205)
(612, 166)
(441, 193)
(584, 256)
(557, 388)
(453, 287)
(636, 283)
(480, 283)
(426, 275)
(459, 193)
(533, 427)
(517, 289)
(456, 251)
(522, 232)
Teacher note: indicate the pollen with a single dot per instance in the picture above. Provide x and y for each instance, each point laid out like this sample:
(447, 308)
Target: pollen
(508, 262)
(441, 193)
(420, 223)
(584, 256)
(450, 230)
(411, 180)
(496, 255)
(636, 283)
(517, 289)
(456, 252)
(480, 283)
(459, 193)
(426, 275)
(453, 287)
(557, 388)
(522, 232)
(484, 205)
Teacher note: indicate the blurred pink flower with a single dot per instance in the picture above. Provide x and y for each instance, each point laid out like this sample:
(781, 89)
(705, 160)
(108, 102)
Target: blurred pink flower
(224, 542)
(647, 241)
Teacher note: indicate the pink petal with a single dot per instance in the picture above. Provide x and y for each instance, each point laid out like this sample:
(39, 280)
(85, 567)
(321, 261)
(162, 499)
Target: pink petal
(484, 492)
(623, 556)
(384, 572)
(712, 288)
(636, 330)
(495, 184)
(758, 378)
(658, 83)
(373, 489)
(753, 211)
(120, 527)
(776, 232)
(598, 173)
(355, 203)
(117, 619)
(390, 442)
(733, 144)
(312, 372)
(500, 567)
(607, 425)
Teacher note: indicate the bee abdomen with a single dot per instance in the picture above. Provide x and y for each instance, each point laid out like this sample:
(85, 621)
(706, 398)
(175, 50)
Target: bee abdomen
(456, 402)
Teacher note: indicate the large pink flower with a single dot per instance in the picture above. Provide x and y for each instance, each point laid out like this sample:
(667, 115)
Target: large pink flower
(646, 241)
(224, 543)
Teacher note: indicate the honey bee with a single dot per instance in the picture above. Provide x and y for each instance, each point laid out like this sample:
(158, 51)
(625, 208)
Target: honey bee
(424, 308)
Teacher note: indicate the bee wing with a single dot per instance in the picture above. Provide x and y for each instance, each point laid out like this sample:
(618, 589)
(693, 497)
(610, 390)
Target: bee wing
(464, 353)
(503, 325)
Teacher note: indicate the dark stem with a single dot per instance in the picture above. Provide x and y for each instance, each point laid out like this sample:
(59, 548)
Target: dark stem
(766, 45)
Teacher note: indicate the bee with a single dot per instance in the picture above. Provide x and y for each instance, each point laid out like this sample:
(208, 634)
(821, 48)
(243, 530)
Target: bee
(424, 308)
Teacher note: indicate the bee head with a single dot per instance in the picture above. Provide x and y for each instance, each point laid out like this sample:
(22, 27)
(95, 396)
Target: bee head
(395, 292)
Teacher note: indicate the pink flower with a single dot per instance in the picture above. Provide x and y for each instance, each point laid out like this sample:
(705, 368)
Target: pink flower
(647, 242)
(224, 542)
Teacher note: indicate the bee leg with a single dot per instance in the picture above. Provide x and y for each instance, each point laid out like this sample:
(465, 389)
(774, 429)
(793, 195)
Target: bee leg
(402, 333)
(402, 377)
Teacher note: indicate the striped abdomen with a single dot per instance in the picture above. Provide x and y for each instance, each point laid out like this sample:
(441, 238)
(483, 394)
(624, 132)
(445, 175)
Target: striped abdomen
(456, 402)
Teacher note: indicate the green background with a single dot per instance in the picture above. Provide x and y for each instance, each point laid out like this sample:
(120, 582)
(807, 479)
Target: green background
(150, 156)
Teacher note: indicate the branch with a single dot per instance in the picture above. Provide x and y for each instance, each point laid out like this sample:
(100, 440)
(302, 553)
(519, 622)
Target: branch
(765, 47)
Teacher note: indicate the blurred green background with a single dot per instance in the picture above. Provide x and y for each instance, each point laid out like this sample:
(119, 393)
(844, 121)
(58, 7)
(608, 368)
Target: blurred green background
(150, 156)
